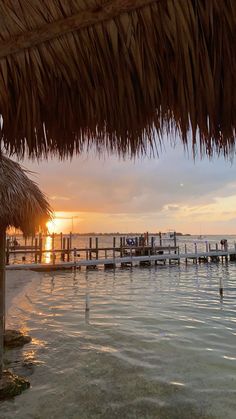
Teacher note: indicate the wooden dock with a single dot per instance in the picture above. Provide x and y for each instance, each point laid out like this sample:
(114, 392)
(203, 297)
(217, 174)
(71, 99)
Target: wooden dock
(132, 260)
(143, 251)
(38, 249)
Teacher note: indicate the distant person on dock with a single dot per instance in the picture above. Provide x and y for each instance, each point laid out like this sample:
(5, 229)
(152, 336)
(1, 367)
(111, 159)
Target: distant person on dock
(224, 245)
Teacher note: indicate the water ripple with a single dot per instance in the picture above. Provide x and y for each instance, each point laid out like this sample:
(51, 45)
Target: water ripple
(156, 343)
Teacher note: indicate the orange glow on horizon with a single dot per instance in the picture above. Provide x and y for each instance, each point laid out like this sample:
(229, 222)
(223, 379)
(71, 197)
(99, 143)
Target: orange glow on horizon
(64, 222)
(56, 225)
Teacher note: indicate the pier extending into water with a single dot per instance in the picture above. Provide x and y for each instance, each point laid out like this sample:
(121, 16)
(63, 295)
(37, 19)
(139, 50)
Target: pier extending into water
(143, 251)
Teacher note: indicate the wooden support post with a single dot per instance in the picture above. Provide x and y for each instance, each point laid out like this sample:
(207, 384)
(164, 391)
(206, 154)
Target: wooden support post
(71, 236)
(160, 238)
(114, 246)
(8, 251)
(96, 240)
(87, 305)
(175, 239)
(53, 241)
(2, 292)
(121, 250)
(185, 251)
(75, 254)
(152, 244)
(36, 250)
(90, 247)
(131, 255)
(61, 240)
(63, 248)
(40, 247)
(221, 289)
(68, 249)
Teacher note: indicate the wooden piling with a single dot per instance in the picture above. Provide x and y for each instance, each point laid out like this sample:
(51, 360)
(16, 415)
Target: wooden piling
(68, 249)
(90, 247)
(114, 246)
(40, 247)
(160, 238)
(7, 252)
(121, 249)
(63, 248)
(152, 243)
(221, 290)
(87, 305)
(36, 250)
(96, 243)
(175, 239)
(185, 251)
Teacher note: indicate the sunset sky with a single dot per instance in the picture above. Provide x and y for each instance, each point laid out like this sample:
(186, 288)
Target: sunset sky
(165, 193)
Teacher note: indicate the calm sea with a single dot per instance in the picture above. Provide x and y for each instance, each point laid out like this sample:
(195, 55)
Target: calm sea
(157, 342)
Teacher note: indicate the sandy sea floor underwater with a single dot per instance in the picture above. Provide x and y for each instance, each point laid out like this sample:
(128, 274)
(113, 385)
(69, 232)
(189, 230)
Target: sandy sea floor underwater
(156, 343)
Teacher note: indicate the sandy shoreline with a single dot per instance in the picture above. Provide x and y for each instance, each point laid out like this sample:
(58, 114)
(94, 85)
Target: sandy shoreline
(16, 283)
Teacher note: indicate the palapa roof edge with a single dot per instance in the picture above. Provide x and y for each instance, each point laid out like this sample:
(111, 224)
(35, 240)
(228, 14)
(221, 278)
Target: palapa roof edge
(22, 204)
(117, 75)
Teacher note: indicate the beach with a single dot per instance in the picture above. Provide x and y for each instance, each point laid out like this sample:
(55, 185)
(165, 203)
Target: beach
(16, 285)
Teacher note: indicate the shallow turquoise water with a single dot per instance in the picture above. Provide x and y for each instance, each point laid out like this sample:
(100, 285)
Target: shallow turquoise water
(156, 343)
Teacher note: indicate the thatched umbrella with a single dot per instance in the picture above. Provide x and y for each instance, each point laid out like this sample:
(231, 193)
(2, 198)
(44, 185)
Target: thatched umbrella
(22, 205)
(117, 74)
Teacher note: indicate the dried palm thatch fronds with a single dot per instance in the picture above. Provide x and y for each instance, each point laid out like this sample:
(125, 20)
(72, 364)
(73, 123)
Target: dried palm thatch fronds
(113, 73)
(22, 204)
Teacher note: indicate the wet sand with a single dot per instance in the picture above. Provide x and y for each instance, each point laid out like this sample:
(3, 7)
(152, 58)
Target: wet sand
(16, 284)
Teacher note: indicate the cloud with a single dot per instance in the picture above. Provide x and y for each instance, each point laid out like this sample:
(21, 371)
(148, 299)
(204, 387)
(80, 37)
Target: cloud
(172, 190)
(172, 207)
(59, 198)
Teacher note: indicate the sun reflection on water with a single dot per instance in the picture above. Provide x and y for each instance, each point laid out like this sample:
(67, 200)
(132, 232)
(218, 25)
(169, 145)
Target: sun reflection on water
(48, 247)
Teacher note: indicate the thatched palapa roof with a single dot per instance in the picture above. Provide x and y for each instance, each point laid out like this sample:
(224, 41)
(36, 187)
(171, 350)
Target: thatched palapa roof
(22, 204)
(113, 73)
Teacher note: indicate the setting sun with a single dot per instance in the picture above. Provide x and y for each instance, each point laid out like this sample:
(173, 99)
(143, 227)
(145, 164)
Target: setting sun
(55, 226)
(63, 222)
